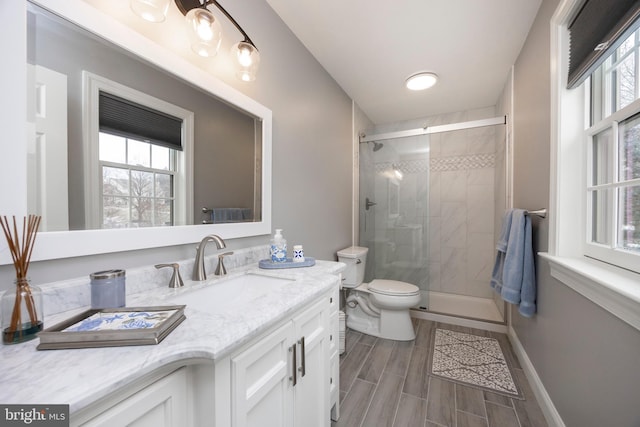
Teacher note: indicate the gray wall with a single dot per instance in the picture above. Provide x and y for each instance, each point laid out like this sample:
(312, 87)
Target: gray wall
(586, 358)
(312, 151)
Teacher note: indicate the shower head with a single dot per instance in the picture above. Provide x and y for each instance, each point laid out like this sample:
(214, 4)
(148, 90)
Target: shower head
(377, 146)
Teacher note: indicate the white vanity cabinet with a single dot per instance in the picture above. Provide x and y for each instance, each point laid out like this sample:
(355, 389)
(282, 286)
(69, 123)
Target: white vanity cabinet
(286, 376)
(282, 379)
(334, 354)
(163, 403)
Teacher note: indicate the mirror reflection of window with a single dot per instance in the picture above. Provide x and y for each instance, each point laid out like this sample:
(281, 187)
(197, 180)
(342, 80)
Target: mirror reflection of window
(138, 147)
(137, 183)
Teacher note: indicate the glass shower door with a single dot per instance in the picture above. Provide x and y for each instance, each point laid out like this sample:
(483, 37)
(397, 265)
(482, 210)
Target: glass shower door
(394, 210)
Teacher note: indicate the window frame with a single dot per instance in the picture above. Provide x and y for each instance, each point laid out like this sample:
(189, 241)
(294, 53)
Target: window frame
(183, 174)
(615, 289)
(609, 252)
(139, 168)
(602, 97)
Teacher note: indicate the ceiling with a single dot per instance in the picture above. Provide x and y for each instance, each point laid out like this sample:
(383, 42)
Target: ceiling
(370, 51)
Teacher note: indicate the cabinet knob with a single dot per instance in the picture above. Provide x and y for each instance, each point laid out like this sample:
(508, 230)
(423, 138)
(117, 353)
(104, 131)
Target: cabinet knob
(330, 337)
(331, 300)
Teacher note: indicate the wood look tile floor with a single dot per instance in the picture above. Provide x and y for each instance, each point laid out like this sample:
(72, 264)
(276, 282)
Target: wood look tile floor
(386, 383)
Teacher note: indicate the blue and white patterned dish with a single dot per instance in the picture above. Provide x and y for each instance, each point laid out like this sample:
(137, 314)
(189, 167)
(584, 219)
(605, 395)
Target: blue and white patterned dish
(289, 263)
(114, 321)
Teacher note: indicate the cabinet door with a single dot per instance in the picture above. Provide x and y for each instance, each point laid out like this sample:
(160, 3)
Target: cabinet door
(311, 393)
(334, 367)
(163, 403)
(261, 391)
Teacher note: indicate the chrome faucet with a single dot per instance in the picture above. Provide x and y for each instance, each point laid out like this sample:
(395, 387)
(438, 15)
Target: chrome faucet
(176, 279)
(221, 270)
(199, 272)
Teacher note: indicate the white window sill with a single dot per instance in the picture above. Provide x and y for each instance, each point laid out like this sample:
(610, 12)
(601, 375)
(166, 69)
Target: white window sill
(612, 288)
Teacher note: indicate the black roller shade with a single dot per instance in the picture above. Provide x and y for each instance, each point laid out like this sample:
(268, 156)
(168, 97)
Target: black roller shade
(596, 31)
(130, 120)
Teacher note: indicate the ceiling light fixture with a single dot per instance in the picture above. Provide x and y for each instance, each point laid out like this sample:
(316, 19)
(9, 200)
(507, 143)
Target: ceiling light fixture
(421, 81)
(205, 31)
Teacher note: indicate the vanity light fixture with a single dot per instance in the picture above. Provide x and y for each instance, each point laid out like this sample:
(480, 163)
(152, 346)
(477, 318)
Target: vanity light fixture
(421, 81)
(205, 31)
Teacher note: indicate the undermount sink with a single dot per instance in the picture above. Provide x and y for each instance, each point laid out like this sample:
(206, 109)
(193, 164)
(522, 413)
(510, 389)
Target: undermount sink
(229, 293)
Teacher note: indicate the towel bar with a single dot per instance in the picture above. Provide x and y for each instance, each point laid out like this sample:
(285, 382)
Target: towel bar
(542, 213)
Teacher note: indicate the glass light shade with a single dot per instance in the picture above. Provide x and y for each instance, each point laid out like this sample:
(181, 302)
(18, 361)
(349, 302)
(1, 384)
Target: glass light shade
(150, 10)
(421, 81)
(206, 32)
(246, 59)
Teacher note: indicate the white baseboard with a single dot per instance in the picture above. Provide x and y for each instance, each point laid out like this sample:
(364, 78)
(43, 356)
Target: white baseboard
(546, 405)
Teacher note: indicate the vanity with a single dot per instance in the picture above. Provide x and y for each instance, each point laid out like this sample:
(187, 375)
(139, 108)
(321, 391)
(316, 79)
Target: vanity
(267, 359)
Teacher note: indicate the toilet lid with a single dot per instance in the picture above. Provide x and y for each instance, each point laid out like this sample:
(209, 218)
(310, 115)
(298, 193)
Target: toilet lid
(392, 287)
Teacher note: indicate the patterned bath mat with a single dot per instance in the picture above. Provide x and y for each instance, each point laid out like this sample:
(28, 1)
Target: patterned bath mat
(472, 360)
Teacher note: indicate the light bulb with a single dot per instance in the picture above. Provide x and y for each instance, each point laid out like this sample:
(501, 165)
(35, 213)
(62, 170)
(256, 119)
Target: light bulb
(206, 32)
(247, 60)
(244, 56)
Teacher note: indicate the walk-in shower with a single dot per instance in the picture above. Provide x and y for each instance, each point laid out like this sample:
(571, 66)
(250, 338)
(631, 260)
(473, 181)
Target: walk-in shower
(428, 208)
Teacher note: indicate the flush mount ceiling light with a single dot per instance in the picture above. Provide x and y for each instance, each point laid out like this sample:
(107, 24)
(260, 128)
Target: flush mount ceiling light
(421, 81)
(205, 31)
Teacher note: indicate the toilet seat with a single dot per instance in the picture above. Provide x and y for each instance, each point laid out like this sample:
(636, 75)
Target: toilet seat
(392, 288)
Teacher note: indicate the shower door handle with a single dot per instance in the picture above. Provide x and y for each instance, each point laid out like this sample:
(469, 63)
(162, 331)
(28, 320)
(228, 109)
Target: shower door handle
(368, 203)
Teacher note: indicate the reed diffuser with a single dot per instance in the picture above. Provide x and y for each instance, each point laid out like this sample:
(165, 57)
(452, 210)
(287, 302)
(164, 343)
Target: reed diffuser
(21, 307)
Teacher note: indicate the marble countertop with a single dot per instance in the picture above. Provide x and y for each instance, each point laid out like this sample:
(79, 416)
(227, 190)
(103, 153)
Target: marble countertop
(80, 377)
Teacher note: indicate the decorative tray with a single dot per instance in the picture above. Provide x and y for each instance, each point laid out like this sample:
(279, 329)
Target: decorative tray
(113, 327)
(268, 264)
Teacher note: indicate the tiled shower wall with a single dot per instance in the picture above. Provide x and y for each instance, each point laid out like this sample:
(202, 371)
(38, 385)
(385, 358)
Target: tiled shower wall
(461, 205)
(463, 192)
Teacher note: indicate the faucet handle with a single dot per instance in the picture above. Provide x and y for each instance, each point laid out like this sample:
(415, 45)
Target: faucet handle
(220, 269)
(176, 280)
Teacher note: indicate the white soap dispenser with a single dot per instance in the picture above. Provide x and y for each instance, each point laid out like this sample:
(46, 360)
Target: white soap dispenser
(278, 247)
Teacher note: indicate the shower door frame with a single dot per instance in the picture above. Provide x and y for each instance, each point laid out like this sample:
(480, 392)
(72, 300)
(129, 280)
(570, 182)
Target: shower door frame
(428, 130)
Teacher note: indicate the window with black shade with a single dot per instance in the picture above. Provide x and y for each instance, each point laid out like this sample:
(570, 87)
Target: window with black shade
(138, 147)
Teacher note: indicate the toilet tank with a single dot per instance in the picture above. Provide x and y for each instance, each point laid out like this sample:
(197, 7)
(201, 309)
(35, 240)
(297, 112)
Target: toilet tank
(355, 257)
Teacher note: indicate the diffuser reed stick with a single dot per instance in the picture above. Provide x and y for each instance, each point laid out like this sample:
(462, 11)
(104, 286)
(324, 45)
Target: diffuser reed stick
(21, 248)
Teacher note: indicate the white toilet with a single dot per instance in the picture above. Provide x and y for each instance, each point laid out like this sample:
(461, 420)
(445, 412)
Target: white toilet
(380, 308)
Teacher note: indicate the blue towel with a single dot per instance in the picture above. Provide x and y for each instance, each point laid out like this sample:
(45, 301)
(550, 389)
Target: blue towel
(503, 240)
(513, 274)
